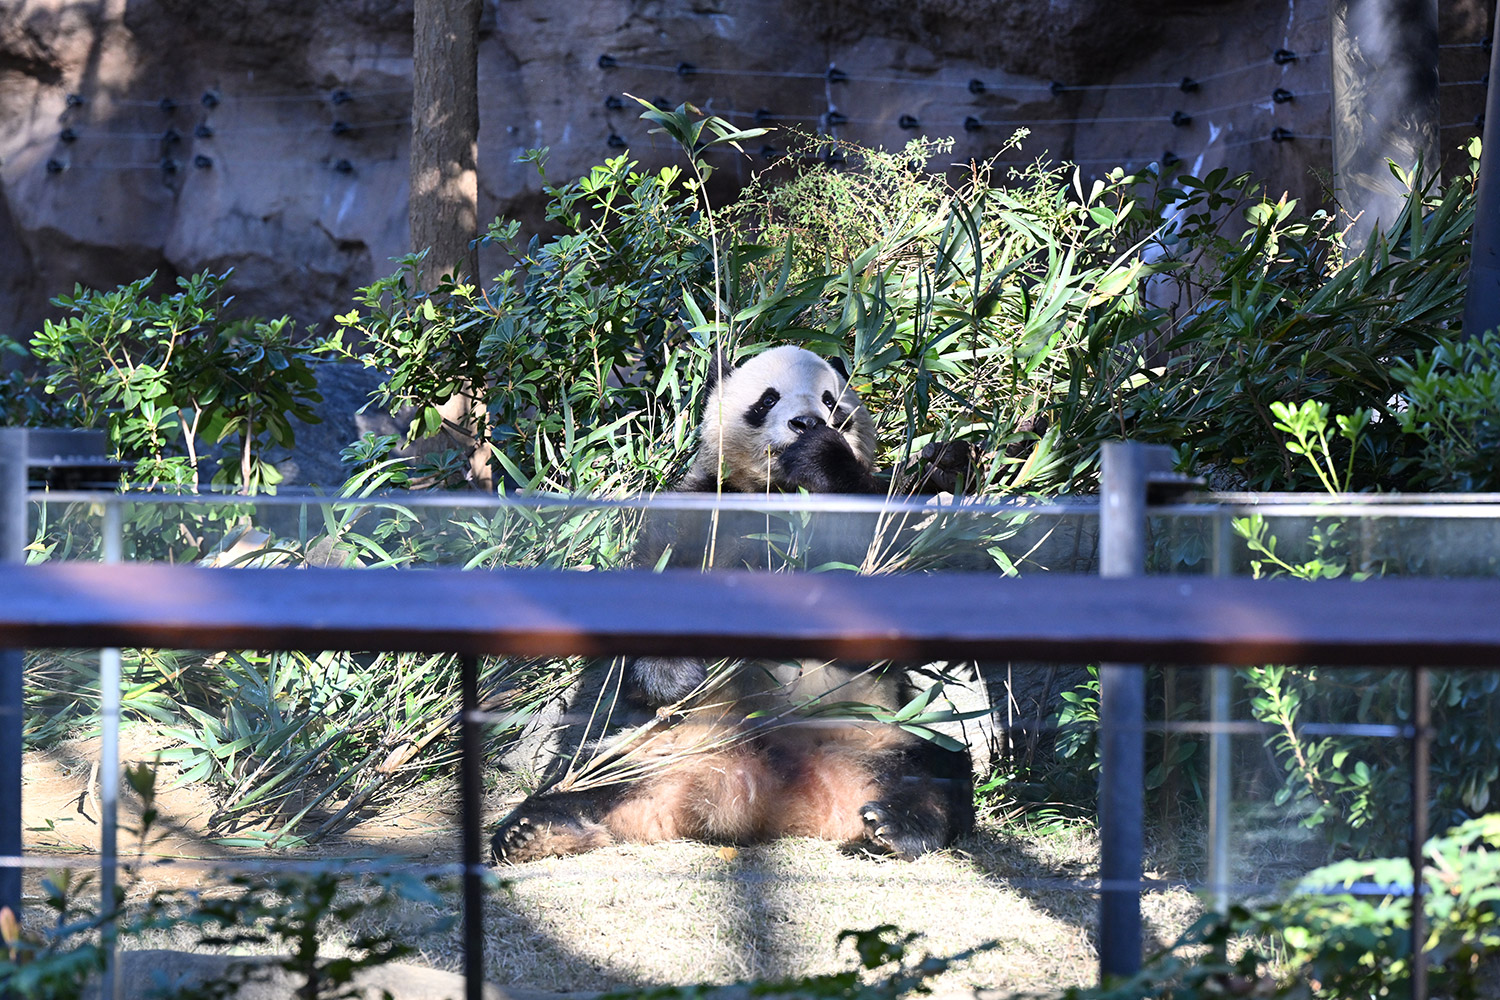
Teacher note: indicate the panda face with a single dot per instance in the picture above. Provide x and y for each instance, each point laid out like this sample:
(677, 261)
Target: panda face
(765, 405)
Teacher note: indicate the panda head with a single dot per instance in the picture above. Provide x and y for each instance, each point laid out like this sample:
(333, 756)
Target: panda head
(777, 400)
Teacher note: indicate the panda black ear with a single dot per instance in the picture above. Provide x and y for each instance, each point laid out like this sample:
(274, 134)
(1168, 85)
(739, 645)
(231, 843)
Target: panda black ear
(719, 365)
(837, 364)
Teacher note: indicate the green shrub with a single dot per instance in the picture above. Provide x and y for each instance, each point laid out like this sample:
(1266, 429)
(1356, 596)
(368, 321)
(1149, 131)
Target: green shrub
(586, 368)
(170, 377)
(1451, 405)
(1326, 942)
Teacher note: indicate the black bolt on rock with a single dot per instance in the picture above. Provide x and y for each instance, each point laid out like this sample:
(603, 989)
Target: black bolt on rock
(686, 69)
(169, 166)
(209, 99)
(340, 128)
(167, 105)
(68, 135)
(835, 118)
(1188, 85)
(341, 97)
(616, 141)
(908, 121)
(972, 124)
(836, 75)
(976, 86)
(762, 115)
(607, 62)
(1281, 95)
(1057, 87)
(74, 101)
(170, 136)
(55, 166)
(344, 167)
(613, 103)
(203, 162)
(1281, 135)
(1284, 56)
(1170, 159)
(204, 131)
(1181, 119)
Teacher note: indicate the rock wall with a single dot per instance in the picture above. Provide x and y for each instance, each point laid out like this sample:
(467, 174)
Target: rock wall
(270, 135)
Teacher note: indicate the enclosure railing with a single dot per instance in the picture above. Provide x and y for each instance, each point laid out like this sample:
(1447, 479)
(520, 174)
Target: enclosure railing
(1204, 620)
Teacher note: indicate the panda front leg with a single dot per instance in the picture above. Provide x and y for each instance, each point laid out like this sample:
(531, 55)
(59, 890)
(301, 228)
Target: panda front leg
(821, 461)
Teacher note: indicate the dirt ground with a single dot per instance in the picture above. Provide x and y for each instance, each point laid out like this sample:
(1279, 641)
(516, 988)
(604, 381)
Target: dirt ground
(650, 914)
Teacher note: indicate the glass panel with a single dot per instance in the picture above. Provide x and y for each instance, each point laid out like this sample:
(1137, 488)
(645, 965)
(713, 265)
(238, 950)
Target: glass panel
(868, 535)
(341, 759)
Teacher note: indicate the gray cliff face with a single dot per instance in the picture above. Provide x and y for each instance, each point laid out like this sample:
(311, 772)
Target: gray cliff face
(293, 171)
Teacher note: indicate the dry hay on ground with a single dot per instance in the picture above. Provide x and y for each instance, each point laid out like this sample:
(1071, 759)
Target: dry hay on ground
(684, 912)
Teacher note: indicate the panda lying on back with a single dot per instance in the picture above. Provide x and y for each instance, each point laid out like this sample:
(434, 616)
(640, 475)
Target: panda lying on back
(739, 764)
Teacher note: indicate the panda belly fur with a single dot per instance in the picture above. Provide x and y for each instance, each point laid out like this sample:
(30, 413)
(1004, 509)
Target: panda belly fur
(785, 420)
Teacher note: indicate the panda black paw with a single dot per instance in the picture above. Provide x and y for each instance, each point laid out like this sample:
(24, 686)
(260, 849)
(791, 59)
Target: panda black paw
(821, 461)
(512, 842)
(942, 467)
(522, 838)
(656, 681)
(899, 833)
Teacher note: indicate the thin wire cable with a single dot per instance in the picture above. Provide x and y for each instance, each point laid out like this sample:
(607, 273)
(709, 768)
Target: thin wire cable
(222, 131)
(581, 869)
(1242, 727)
(184, 164)
(221, 99)
(963, 84)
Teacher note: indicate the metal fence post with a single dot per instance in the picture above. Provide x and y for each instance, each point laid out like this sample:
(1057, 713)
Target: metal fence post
(1220, 682)
(1421, 748)
(471, 791)
(109, 769)
(1127, 468)
(12, 550)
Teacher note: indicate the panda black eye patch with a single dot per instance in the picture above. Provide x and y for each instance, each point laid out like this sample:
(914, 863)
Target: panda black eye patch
(828, 400)
(756, 415)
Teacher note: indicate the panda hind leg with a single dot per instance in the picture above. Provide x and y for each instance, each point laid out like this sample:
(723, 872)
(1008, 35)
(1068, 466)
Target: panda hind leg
(553, 825)
(925, 802)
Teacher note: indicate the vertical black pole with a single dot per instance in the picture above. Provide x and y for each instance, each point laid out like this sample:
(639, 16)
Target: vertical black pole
(12, 550)
(1122, 713)
(1421, 728)
(1482, 304)
(471, 792)
(1220, 780)
(1385, 106)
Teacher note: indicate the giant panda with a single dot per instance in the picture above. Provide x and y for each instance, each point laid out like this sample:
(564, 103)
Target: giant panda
(784, 420)
(733, 755)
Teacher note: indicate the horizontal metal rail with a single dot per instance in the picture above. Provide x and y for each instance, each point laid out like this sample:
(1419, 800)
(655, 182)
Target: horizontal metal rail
(1188, 621)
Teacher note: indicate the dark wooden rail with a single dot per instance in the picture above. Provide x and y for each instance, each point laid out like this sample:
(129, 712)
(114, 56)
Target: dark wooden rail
(1385, 622)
